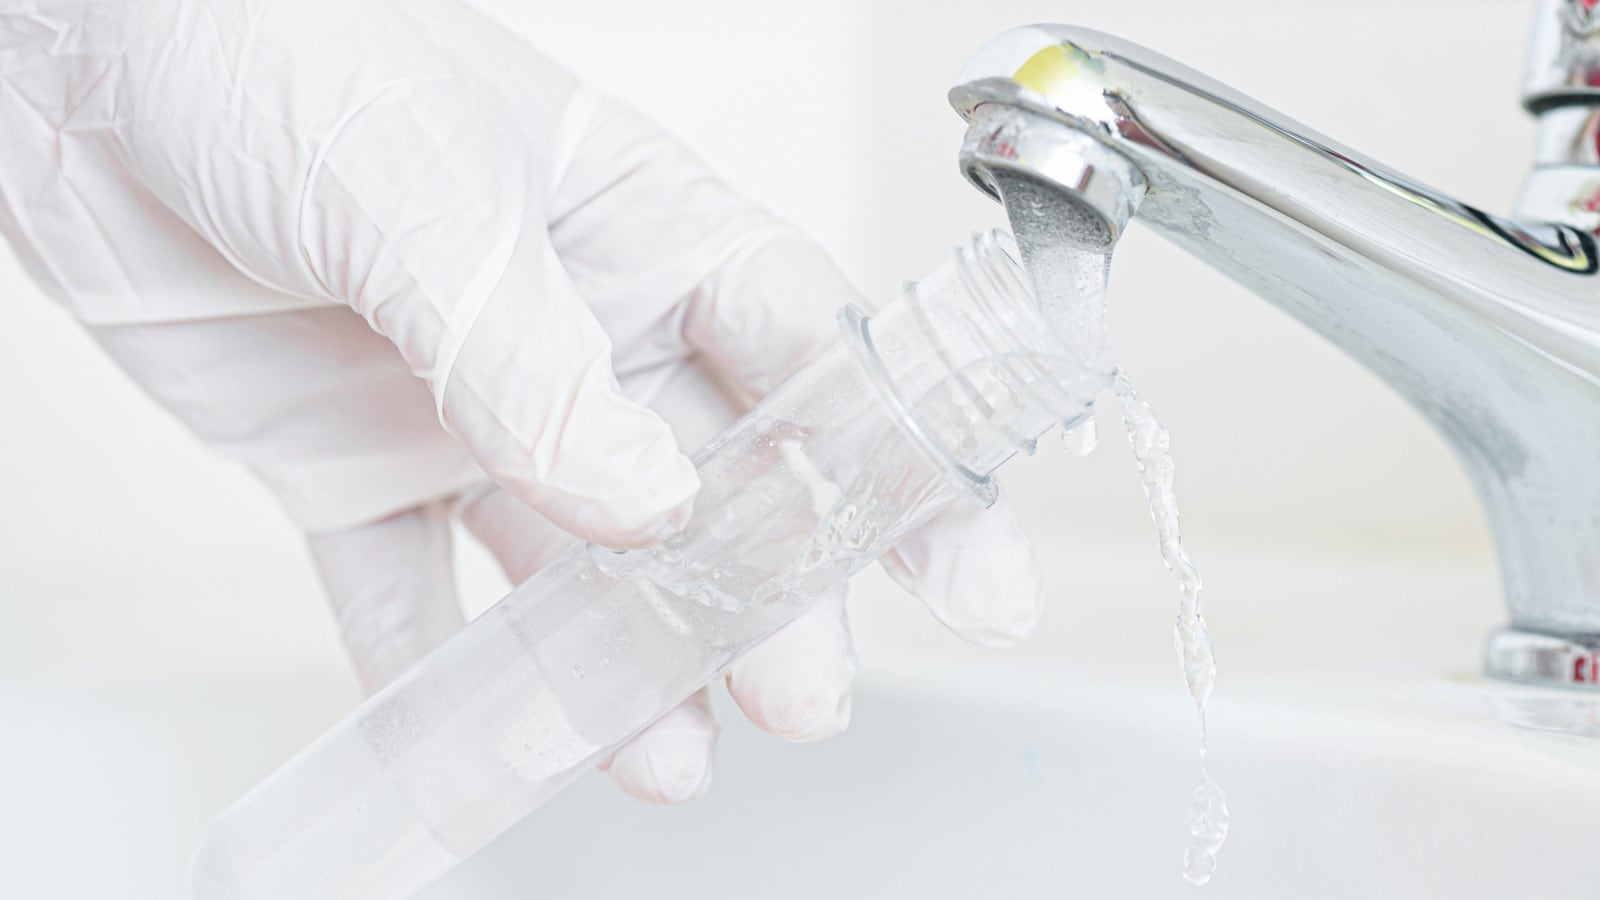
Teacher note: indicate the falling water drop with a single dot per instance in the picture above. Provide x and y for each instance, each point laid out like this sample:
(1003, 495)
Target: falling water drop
(1081, 439)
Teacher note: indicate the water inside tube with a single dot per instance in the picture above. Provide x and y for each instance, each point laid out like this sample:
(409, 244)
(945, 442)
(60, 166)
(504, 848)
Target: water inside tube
(1067, 251)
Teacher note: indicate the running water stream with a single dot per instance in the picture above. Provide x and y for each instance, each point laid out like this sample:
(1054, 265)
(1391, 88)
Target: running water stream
(1067, 251)
(1208, 809)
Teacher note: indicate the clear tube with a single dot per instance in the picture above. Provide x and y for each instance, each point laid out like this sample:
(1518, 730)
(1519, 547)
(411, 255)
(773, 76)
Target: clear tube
(911, 411)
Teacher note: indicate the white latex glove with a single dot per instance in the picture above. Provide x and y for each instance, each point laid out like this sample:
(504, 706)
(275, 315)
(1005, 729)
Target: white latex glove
(379, 249)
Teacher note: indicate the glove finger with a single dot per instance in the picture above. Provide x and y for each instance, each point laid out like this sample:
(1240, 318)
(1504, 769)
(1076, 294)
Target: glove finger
(427, 215)
(524, 541)
(766, 311)
(676, 262)
(534, 395)
(975, 571)
(669, 762)
(520, 539)
(392, 589)
(796, 684)
(672, 760)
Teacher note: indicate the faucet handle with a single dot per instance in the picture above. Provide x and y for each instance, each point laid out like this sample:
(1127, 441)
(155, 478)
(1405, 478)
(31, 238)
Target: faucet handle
(1561, 87)
(1563, 66)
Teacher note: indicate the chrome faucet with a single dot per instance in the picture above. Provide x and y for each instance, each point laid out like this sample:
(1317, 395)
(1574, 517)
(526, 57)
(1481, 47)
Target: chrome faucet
(1488, 326)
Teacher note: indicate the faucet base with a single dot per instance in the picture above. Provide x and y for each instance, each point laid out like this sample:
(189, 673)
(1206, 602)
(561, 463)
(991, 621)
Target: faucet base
(1545, 659)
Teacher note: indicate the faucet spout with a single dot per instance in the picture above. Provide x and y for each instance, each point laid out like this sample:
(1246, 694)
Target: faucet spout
(1490, 328)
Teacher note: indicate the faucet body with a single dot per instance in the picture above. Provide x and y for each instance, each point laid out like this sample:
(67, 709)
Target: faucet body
(1490, 328)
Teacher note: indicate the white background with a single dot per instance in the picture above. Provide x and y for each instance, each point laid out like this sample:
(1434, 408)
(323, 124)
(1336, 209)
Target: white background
(141, 580)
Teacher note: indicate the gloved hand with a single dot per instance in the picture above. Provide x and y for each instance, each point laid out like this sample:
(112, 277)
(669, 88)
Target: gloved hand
(380, 249)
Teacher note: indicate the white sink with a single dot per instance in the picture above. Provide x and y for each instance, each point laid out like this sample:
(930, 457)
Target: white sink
(1008, 787)
(1361, 758)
